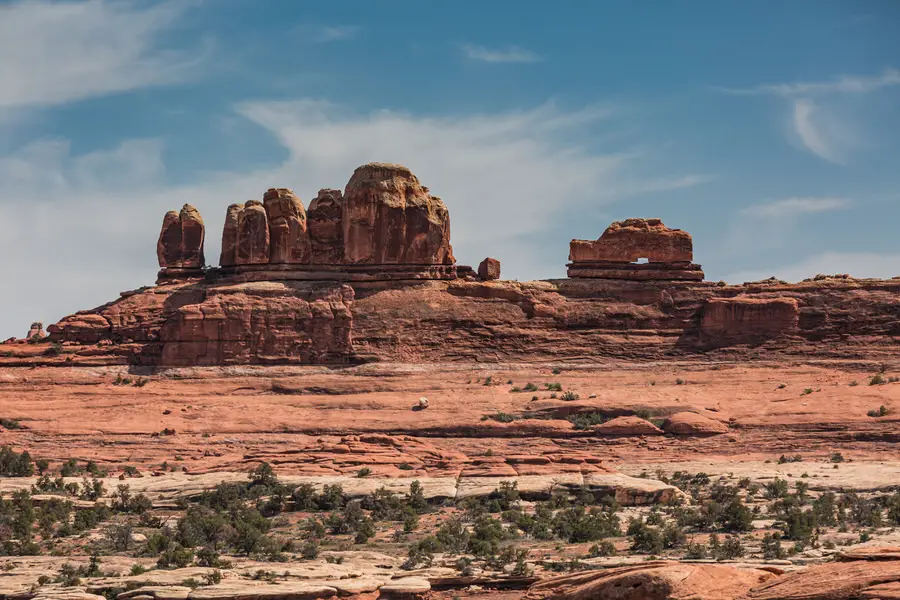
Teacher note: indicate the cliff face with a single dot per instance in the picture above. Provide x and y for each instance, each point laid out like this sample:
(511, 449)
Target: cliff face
(207, 323)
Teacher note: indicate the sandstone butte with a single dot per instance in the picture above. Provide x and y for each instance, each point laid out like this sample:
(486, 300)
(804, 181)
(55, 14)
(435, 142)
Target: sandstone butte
(343, 335)
(368, 274)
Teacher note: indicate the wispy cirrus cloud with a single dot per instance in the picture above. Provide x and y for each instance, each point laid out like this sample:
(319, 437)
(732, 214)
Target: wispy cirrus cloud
(845, 84)
(792, 207)
(322, 34)
(57, 52)
(817, 133)
(509, 54)
(824, 133)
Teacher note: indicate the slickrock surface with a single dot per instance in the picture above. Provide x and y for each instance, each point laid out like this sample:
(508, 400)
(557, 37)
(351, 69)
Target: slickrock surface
(834, 581)
(691, 423)
(653, 581)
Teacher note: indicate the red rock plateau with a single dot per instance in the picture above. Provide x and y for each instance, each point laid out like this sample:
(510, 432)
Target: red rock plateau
(343, 336)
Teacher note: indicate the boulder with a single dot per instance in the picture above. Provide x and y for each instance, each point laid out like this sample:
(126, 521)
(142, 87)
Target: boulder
(653, 581)
(489, 269)
(627, 426)
(228, 257)
(326, 231)
(253, 235)
(181, 237)
(288, 236)
(691, 423)
(390, 218)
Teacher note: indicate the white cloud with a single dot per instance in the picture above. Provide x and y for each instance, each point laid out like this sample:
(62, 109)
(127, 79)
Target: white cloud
(57, 52)
(857, 264)
(85, 226)
(792, 207)
(821, 132)
(510, 54)
(316, 34)
(847, 84)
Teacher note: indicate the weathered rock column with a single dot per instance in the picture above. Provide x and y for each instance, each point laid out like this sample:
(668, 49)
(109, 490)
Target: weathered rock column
(179, 249)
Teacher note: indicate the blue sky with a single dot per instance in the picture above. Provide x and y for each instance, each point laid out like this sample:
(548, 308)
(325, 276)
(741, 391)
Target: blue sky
(769, 130)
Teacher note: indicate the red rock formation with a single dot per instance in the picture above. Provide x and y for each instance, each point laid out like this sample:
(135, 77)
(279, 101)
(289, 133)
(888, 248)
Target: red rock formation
(833, 581)
(253, 235)
(180, 244)
(627, 426)
(489, 269)
(390, 218)
(35, 331)
(690, 423)
(652, 581)
(633, 239)
(228, 256)
(261, 323)
(744, 320)
(326, 231)
(669, 253)
(289, 239)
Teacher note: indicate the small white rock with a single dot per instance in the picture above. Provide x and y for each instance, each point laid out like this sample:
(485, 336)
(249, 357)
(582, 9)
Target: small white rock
(423, 403)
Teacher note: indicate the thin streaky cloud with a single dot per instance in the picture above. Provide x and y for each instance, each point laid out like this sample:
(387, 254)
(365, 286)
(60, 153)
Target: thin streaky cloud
(52, 53)
(338, 33)
(510, 54)
(811, 135)
(791, 207)
(846, 84)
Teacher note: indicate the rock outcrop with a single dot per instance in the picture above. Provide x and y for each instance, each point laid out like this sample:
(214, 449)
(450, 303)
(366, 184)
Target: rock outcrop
(866, 578)
(35, 331)
(180, 244)
(653, 581)
(489, 269)
(242, 324)
(744, 320)
(627, 426)
(289, 239)
(693, 424)
(228, 256)
(253, 237)
(390, 218)
(669, 253)
(326, 230)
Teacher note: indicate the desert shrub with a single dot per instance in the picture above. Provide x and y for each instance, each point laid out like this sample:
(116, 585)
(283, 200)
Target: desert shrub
(14, 464)
(695, 551)
(304, 497)
(578, 524)
(881, 411)
(586, 420)
(645, 538)
(604, 548)
(771, 547)
(730, 549)
(569, 396)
